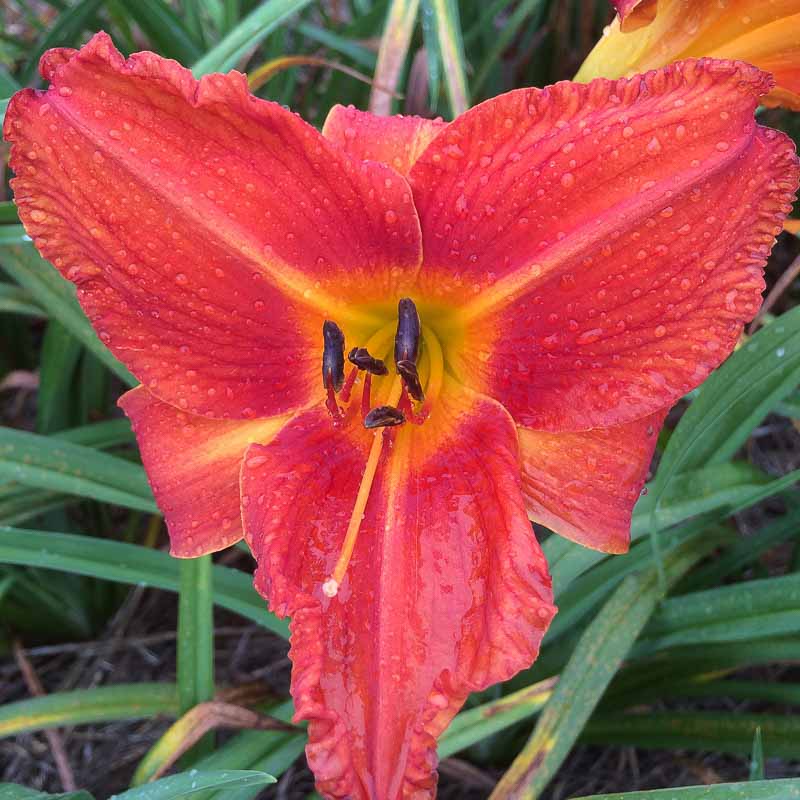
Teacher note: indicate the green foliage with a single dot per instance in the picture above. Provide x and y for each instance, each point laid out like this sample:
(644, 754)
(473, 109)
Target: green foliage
(176, 787)
(692, 602)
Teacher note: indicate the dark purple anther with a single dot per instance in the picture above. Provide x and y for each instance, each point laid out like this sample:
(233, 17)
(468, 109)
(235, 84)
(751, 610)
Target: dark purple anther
(332, 356)
(408, 372)
(406, 341)
(363, 360)
(384, 417)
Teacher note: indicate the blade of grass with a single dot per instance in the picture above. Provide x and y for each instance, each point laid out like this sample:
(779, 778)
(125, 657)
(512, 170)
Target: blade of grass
(731, 403)
(504, 37)
(13, 235)
(392, 53)
(61, 32)
(26, 504)
(246, 35)
(780, 693)
(59, 358)
(56, 465)
(339, 44)
(478, 723)
(701, 731)
(8, 211)
(593, 663)
(785, 789)
(14, 300)
(757, 758)
(196, 641)
(186, 784)
(749, 610)
(647, 677)
(110, 433)
(129, 563)
(165, 29)
(447, 27)
(57, 297)
(85, 706)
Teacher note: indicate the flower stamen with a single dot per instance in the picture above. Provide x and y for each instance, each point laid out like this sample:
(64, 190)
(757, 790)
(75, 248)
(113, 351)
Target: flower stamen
(361, 357)
(348, 385)
(331, 586)
(366, 399)
(410, 375)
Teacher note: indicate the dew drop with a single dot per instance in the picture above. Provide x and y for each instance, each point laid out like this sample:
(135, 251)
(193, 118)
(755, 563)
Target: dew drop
(654, 146)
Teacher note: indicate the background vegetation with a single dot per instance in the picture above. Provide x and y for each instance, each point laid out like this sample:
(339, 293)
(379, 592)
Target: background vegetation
(672, 665)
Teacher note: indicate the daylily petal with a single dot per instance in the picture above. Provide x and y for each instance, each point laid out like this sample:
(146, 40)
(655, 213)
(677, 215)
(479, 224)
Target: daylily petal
(634, 14)
(605, 241)
(584, 485)
(397, 141)
(762, 33)
(447, 591)
(193, 467)
(204, 227)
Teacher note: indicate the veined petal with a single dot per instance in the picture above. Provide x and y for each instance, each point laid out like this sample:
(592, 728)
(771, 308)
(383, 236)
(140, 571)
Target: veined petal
(447, 591)
(193, 467)
(584, 485)
(762, 33)
(634, 14)
(397, 141)
(605, 242)
(209, 233)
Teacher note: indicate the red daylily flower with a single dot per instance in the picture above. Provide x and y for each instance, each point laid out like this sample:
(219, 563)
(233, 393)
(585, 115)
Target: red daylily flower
(648, 34)
(523, 293)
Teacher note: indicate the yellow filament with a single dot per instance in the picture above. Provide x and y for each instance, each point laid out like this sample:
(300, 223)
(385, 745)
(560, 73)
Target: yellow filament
(331, 586)
(377, 345)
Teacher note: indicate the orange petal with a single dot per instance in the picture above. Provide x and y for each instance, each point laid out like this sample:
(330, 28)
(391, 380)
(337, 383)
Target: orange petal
(584, 485)
(447, 591)
(762, 33)
(397, 141)
(193, 467)
(792, 226)
(210, 233)
(605, 241)
(634, 14)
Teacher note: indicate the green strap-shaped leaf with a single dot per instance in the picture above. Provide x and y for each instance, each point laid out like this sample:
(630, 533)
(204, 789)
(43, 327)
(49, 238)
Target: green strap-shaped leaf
(196, 639)
(395, 41)
(443, 17)
(194, 781)
(748, 610)
(57, 297)
(165, 29)
(246, 35)
(84, 706)
(14, 300)
(700, 731)
(65, 31)
(732, 402)
(593, 663)
(130, 563)
(45, 462)
(788, 789)
(12, 791)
